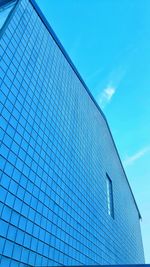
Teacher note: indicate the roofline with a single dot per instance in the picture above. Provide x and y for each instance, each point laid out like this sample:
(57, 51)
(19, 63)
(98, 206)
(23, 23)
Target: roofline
(49, 28)
(55, 38)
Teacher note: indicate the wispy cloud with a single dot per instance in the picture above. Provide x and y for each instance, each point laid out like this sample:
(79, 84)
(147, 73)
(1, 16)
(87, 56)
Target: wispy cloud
(131, 159)
(106, 95)
(110, 85)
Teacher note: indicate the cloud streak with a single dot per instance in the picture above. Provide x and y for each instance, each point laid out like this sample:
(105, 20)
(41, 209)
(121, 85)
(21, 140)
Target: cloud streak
(109, 86)
(130, 160)
(106, 95)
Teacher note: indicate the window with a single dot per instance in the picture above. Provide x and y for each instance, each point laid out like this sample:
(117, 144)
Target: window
(110, 204)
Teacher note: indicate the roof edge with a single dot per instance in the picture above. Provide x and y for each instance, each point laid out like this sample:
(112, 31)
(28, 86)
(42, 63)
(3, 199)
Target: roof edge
(49, 28)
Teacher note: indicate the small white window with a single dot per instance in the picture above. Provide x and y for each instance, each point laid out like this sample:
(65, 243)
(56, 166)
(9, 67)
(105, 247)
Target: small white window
(110, 204)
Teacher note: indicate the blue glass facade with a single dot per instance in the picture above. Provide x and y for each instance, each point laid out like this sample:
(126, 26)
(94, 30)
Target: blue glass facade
(5, 10)
(56, 152)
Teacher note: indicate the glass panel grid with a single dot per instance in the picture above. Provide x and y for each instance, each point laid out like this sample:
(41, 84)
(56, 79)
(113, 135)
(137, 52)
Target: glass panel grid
(54, 155)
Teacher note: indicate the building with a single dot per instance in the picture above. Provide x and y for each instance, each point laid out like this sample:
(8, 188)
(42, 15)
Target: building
(64, 196)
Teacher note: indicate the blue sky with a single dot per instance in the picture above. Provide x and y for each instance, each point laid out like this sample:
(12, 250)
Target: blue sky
(109, 42)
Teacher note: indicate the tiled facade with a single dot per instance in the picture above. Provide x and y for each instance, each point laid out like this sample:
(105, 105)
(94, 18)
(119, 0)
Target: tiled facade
(56, 149)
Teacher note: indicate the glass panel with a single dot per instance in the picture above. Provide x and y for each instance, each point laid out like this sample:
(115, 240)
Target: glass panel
(4, 11)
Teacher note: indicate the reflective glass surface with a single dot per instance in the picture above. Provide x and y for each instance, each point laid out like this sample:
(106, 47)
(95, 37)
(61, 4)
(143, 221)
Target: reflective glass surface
(4, 11)
(55, 151)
